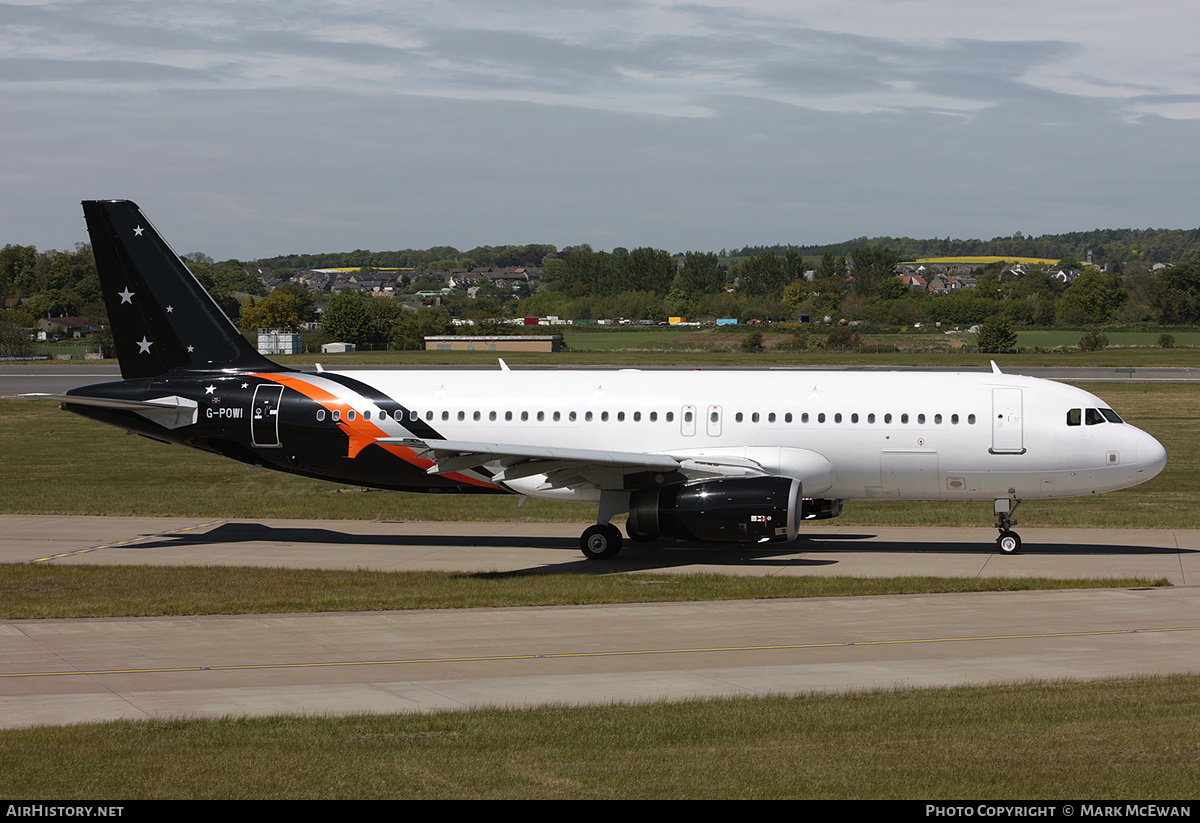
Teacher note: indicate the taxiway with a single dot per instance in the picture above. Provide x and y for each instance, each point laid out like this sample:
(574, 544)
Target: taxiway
(67, 671)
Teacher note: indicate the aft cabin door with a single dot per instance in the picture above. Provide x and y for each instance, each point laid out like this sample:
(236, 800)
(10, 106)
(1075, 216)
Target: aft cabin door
(1008, 427)
(264, 417)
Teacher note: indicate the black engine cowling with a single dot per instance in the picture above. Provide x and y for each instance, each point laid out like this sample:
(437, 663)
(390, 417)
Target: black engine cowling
(741, 510)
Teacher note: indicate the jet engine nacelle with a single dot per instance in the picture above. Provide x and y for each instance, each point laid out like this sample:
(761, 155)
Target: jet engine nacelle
(741, 510)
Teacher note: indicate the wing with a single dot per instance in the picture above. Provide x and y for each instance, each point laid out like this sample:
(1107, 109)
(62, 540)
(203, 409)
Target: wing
(573, 467)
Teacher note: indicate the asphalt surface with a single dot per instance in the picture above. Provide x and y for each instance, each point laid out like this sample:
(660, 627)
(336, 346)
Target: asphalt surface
(65, 671)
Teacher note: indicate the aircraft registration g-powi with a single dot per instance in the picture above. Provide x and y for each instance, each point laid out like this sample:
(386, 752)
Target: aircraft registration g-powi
(742, 456)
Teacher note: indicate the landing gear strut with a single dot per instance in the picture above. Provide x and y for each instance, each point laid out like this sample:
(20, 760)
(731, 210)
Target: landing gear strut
(1009, 542)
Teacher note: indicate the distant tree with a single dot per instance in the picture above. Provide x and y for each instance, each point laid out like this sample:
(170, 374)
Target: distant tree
(412, 328)
(842, 338)
(891, 288)
(700, 273)
(1166, 341)
(345, 319)
(1091, 298)
(871, 265)
(996, 335)
(284, 308)
(753, 342)
(490, 317)
(14, 338)
(1093, 341)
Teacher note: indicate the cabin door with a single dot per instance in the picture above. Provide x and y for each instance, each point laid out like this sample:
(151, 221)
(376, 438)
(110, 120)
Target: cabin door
(1008, 427)
(264, 416)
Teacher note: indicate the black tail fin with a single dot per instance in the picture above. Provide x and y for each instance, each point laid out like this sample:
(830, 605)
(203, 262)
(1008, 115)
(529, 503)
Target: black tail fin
(161, 317)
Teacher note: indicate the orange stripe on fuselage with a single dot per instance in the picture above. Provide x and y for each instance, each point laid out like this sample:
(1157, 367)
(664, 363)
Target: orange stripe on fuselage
(361, 433)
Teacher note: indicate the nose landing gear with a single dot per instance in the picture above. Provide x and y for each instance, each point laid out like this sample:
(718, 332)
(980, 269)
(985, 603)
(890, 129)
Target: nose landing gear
(1009, 542)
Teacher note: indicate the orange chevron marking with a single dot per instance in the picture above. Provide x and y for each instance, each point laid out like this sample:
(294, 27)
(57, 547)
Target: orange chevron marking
(361, 433)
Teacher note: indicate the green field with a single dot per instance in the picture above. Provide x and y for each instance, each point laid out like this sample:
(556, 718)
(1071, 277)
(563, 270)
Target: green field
(1115, 740)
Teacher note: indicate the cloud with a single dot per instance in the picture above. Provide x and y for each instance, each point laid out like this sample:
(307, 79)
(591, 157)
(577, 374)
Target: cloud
(304, 126)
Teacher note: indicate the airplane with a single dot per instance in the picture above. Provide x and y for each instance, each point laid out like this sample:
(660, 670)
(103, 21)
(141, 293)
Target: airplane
(724, 456)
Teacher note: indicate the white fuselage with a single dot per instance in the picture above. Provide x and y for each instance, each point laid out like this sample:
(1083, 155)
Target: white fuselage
(890, 435)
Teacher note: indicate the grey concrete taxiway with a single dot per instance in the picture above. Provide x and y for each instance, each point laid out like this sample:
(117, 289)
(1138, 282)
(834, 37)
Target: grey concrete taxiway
(64, 671)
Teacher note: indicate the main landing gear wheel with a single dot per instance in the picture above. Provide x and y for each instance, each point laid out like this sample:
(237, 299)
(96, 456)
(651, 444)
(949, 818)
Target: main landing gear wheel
(600, 542)
(1008, 542)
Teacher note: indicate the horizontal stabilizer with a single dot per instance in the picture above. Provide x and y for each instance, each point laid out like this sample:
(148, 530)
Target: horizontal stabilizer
(170, 412)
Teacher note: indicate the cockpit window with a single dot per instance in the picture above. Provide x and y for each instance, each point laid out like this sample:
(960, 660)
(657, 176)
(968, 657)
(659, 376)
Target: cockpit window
(1111, 416)
(1093, 417)
(1074, 417)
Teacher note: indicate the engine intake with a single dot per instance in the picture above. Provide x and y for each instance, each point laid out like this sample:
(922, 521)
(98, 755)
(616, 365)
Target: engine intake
(741, 510)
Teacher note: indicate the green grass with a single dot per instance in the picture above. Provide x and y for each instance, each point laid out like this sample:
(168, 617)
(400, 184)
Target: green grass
(58, 463)
(1145, 339)
(1112, 740)
(32, 591)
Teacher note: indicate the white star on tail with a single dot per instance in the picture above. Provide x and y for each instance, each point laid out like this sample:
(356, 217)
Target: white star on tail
(137, 232)
(144, 345)
(126, 296)
(209, 389)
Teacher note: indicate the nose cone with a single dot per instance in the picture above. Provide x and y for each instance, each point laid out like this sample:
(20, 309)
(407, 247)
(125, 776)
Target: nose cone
(1151, 457)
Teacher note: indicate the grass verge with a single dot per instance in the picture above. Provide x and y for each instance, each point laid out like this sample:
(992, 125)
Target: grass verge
(36, 592)
(1120, 739)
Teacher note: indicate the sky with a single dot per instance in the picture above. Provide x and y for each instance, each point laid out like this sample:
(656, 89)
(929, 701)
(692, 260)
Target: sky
(249, 129)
